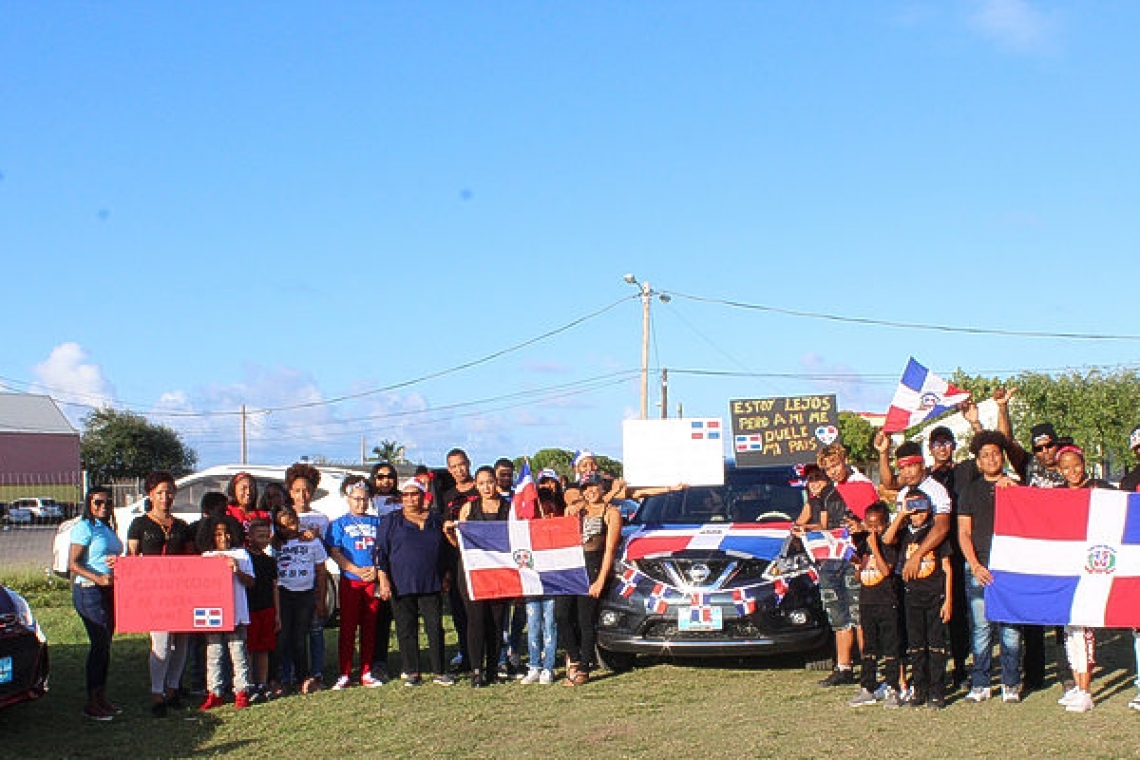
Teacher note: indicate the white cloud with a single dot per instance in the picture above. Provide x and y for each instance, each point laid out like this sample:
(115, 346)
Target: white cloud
(1015, 24)
(844, 381)
(68, 375)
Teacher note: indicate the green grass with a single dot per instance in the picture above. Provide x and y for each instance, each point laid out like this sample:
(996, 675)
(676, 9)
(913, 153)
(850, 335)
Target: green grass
(760, 708)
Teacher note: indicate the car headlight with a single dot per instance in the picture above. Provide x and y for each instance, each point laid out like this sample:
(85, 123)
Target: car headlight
(788, 565)
(23, 610)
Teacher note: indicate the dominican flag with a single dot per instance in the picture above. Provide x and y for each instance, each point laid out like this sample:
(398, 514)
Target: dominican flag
(921, 395)
(744, 601)
(745, 540)
(829, 544)
(705, 430)
(1065, 557)
(524, 502)
(506, 559)
(207, 617)
(749, 443)
(656, 603)
(780, 589)
(628, 581)
(702, 614)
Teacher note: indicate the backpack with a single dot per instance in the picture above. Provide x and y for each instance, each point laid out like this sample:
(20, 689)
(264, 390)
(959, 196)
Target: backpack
(61, 548)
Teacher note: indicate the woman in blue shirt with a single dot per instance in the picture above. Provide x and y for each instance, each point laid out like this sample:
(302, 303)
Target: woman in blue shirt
(94, 547)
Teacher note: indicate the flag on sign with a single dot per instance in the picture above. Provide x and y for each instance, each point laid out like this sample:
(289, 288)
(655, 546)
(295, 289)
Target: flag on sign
(749, 443)
(513, 558)
(207, 617)
(524, 502)
(921, 395)
(705, 430)
(829, 544)
(1065, 557)
(702, 614)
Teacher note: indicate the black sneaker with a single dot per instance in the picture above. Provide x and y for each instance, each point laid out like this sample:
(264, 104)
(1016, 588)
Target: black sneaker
(413, 680)
(839, 677)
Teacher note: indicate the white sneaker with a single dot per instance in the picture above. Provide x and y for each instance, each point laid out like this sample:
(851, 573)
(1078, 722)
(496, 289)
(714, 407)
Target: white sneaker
(546, 677)
(1082, 702)
(1068, 696)
(369, 681)
(1010, 694)
(341, 683)
(1135, 703)
(978, 694)
(532, 676)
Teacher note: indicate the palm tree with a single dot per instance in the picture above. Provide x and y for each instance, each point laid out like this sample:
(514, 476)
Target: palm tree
(389, 451)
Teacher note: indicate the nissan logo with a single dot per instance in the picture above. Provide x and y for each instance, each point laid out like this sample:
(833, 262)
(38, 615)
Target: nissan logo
(699, 572)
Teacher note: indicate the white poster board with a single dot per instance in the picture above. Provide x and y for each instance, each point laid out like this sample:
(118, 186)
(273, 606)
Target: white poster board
(669, 452)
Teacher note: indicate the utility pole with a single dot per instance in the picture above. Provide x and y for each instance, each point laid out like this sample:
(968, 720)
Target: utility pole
(243, 438)
(664, 394)
(647, 294)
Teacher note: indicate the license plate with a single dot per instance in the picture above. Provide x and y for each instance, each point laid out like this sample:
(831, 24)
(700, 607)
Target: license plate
(700, 619)
(5, 669)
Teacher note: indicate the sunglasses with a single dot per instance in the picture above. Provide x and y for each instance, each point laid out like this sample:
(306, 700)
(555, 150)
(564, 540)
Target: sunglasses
(385, 476)
(1043, 446)
(99, 502)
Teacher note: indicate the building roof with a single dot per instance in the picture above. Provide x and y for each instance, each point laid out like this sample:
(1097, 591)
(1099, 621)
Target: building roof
(30, 413)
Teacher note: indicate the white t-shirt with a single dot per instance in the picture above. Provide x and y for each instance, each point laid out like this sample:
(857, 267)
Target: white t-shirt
(245, 565)
(939, 497)
(297, 562)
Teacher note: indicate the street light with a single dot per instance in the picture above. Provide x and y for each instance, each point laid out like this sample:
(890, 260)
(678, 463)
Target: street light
(647, 294)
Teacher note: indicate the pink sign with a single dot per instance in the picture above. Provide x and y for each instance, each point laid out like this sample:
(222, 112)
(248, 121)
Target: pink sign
(177, 594)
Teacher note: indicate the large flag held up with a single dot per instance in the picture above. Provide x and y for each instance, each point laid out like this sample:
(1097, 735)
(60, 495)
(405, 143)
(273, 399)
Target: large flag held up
(921, 395)
(1065, 557)
(506, 559)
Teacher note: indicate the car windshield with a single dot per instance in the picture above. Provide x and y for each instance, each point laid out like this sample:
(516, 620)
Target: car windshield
(748, 495)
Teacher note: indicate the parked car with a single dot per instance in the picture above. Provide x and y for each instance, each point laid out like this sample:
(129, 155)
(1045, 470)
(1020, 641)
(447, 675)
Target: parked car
(23, 651)
(18, 515)
(715, 572)
(41, 509)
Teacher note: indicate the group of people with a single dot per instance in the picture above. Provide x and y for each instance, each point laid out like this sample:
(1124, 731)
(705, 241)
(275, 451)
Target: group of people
(397, 552)
(914, 591)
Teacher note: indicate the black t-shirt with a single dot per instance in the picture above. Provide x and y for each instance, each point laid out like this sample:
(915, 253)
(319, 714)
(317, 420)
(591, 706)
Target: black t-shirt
(955, 478)
(153, 540)
(977, 502)
(930, 586)
(1131, 481)
(876, 587)
(828, 502)
(260, 594)
(453, 500)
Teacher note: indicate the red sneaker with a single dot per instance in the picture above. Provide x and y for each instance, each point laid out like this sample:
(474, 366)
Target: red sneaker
(212, 701)
(241, 699)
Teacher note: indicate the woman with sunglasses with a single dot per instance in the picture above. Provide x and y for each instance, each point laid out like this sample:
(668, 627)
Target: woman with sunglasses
(94, 548)
(386, 499)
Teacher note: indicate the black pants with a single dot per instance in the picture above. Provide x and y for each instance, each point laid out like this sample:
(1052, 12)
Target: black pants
(296, 613)
(926, 646)
(485, 635)
(408, 610)
(1034, 648)
(880, 641)
(577, 618)
(961, 640)
(383, 636)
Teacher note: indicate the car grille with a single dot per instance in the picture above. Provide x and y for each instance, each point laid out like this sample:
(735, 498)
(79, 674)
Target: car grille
(707, 574)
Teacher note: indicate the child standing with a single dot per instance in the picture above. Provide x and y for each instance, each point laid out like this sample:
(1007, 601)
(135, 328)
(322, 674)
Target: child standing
(301, 579)
(927, 599)
(262, 634)
(878, 611)
(218, 537)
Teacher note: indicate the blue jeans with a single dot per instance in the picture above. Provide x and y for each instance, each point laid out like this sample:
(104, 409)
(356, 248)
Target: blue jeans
(984, 633)
(96, 607)
(541, 633)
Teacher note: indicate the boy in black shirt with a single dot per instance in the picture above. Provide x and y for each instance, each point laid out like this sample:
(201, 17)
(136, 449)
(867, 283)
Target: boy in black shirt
(878, 611)
(927, 599)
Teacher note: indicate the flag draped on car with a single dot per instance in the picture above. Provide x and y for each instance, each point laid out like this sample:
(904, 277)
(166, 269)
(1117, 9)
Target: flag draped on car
(1065, 557)
(921, 395)
(748, 540)
(513, 558)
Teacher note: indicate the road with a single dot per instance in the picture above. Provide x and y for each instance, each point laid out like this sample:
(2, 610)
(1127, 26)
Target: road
(25, 548)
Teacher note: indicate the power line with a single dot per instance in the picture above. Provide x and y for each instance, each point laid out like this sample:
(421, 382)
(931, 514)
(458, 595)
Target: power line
(902, 325)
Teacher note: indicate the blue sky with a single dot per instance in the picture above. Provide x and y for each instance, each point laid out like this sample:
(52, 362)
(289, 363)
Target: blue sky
(284, 204)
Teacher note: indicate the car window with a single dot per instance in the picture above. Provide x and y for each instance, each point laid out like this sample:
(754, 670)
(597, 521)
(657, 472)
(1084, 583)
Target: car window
(760, 495)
